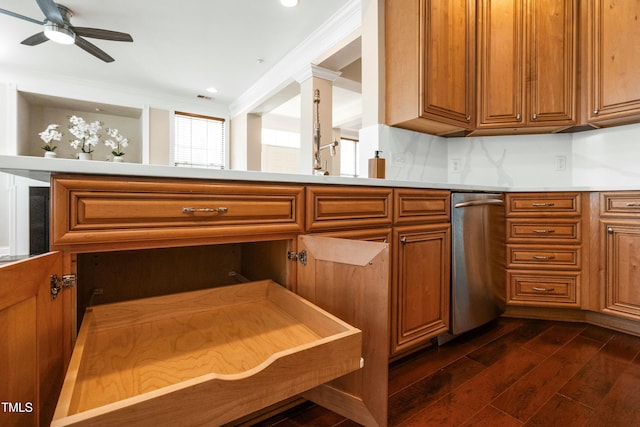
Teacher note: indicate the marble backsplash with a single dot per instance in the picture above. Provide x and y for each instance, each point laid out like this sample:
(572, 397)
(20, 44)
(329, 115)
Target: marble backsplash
(599, 159)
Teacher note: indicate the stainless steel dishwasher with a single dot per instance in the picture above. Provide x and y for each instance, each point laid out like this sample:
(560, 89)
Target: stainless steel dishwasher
(478, 257)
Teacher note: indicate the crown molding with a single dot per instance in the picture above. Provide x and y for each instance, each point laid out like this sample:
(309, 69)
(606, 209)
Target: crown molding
(343, 24)
(316, 71)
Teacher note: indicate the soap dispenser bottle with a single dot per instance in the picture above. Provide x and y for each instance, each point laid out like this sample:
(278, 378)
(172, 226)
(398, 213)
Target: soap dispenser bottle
(377, 166)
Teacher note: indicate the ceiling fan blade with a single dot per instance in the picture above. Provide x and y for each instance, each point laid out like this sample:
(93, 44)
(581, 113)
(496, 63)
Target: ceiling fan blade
(93, 49)
(51, 11)
(35, 39)
(102, 34)
(17, 15)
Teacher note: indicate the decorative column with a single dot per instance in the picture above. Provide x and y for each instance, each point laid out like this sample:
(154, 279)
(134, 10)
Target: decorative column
(316, 84)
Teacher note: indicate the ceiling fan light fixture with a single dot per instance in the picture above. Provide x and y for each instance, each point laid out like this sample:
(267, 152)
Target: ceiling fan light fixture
(289, 3)
(58, 33)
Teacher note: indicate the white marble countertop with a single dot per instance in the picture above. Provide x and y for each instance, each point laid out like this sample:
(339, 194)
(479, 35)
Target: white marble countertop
(40, 169)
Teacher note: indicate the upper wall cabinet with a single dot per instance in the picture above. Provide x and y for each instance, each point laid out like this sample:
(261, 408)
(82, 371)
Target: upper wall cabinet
(430, 63)
(522, 80)
(527, 52)
(613, 62)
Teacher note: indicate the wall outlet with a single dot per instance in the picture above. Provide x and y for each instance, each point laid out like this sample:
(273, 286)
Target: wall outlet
(560, 163)
(455, 165)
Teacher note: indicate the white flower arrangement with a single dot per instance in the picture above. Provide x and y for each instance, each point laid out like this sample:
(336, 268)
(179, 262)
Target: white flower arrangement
(86, 134)
(117, 143)
(51, 133)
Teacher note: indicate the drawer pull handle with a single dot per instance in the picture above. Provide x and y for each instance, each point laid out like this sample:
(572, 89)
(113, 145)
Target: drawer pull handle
(209, 210)
(633, 204)
(543, 205)
(537, 289)
(544, 231)
(544, 257)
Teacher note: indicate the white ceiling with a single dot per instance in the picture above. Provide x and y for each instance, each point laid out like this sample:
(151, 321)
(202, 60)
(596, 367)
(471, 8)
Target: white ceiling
(180, 47)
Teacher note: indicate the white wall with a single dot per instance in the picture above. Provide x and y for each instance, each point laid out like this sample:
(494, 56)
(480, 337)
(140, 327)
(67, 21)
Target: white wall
(602, 158)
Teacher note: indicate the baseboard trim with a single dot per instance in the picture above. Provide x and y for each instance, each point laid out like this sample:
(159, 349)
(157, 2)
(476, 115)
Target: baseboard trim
(620, 324)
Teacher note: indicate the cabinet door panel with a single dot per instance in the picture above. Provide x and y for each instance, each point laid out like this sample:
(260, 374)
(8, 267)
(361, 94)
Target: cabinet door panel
(448, 50)
(552, 44)
(349, 278)
(32, 329)
(501, 63)
(622, 276)
(614, 60)
(421, 286)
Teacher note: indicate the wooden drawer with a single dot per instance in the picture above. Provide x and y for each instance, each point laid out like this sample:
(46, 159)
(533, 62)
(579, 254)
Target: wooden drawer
(202, 357)
(534, 231)
(347, 207)
(140, 213)
(543, 257)
(620, 204)
(543, 204)
(543, 289)
(413, 206)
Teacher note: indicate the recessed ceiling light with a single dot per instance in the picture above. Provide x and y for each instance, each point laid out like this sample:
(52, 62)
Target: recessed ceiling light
(212, 90)
(289, 3)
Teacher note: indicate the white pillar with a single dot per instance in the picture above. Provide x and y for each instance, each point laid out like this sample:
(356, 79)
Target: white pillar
(314, 78)
(373, 84)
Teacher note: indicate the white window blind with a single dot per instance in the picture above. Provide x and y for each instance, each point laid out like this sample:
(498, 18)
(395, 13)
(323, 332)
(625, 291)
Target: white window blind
(199, 141)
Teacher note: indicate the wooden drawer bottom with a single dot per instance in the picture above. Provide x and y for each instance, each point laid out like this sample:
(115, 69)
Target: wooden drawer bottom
(202, 357)
(543, 289)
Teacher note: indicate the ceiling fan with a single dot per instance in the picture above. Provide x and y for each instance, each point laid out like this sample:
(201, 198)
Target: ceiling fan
(57, 27)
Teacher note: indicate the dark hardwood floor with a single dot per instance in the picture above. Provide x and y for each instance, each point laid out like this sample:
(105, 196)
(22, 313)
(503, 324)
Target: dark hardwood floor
(512, 372)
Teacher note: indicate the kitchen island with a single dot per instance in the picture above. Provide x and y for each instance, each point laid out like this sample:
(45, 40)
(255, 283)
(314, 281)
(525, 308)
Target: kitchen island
(169, 230)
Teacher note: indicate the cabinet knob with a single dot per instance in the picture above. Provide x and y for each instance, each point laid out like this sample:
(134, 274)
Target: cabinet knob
(403, 240)
(469, 118)
(595, 112)
(534, 117)
(610, 230)
(518, 117)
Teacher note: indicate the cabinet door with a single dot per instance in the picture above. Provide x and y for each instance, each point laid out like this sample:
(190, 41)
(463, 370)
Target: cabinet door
(622, 292)
(527, 64)
(552, 46)
(448, 50)
(349, 278)
(500, 55)
(421, 286)
(33, 336)
(613, 61)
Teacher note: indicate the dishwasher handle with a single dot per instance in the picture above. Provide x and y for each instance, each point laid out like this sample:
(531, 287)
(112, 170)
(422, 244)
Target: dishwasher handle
(479, 202)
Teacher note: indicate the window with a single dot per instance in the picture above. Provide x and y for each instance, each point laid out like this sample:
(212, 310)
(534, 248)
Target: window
(280, 151)
(199, 141)
(349, 157)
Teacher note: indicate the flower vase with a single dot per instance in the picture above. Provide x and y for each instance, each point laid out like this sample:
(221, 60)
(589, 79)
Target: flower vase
(118, 159)
(85, 156)
(50, 154)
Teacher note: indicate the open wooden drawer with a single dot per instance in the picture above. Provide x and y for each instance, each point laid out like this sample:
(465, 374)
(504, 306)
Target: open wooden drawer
(208, 356)
(201, 357)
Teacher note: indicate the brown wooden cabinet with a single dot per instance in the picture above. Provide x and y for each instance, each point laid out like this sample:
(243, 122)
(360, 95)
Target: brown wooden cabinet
(117, 253)
(430, 65)
(612, 61)
(544, 249)
(421, 283)
(527, 65)
(620, 257)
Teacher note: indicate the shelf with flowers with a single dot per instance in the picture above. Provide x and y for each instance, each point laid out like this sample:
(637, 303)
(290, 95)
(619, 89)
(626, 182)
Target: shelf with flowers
(116, 142)
(49, 135)
(87, 136)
